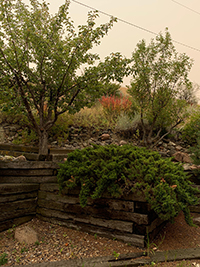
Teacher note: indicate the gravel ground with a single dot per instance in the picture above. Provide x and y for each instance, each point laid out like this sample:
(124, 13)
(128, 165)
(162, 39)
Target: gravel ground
(60, 243)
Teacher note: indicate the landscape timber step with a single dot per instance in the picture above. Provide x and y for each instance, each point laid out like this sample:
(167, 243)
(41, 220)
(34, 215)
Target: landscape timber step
(19, 148)
(128, 260)
(28, 165)
(28, 156)
(31, 153)
(32, 149)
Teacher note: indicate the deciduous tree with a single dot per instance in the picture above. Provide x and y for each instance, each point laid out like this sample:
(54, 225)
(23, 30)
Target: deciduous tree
(46, 65)
(159, 76)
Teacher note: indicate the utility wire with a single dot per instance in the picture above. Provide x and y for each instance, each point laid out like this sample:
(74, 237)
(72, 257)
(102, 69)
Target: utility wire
(124, 21)
(133, 25)
(186, 7)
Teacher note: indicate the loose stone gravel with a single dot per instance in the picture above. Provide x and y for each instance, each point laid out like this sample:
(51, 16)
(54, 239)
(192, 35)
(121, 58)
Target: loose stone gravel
(58, 243)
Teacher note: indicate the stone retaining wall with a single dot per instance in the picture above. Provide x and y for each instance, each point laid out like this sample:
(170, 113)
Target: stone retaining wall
(29, 189)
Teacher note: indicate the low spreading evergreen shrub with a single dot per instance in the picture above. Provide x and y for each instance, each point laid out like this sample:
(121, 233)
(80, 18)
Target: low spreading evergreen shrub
(119, 170)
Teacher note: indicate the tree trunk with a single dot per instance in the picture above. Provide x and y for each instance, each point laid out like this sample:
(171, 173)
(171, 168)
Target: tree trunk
(43, 145)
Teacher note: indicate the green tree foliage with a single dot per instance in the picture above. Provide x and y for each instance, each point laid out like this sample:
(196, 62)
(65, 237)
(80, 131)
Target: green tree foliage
(120, 170)
(46, 67)
(158, 75)
(190, 132)
(112, 89)
(196, 153)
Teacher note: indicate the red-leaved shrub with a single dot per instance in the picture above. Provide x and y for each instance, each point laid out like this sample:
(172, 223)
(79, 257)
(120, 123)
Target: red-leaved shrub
(113, 106)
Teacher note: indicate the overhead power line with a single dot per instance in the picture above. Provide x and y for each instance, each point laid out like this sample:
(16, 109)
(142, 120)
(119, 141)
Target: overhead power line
(133, 25)
(124, 21)
(186, 7)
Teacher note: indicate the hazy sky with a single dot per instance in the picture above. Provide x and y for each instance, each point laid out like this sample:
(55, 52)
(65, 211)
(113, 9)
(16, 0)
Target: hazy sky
(152, 15)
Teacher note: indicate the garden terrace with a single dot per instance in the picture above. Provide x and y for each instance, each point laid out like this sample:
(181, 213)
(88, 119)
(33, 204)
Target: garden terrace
(29, 189)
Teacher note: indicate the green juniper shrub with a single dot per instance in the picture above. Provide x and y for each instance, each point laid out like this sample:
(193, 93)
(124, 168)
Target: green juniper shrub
(119, 170)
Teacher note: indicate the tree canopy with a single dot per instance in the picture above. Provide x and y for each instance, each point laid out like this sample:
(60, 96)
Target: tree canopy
(160, 75)
(46, 66)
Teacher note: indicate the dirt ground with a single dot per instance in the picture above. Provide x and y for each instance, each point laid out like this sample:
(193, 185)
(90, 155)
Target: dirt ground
(57, 243)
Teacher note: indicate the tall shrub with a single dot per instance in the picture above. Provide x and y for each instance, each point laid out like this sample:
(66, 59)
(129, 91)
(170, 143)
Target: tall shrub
(158, 75)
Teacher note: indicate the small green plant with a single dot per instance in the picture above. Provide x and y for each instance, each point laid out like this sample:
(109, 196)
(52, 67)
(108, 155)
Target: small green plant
(116, 255)
(24, 249)
(14, 251)
(95, 236)
(37, 243)
(18, 259)
(64, 235)
(11, 231)
(119, 170)
(148, 245)
(166, 255)
(3, 258)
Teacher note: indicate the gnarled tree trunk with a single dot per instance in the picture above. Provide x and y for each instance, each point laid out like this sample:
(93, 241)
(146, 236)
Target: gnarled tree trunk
(43, 145)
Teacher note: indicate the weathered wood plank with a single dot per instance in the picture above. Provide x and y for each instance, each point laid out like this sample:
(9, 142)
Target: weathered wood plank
(60, 151)
(51, 187)
(195, 209)
(33, 149)
(54, 205)
(29, 165)
(27, 179)
(12, 214)
(155, 224)
(133, 239)
(113, 204)
(5, 225)
(96, 212)
(136, 196)
(76, 191)
(18, 205)
(21, 148)
(17, 188)
(57, 198)
(142, 207)
(28, 156)
(112, 224)
(27, 172)
(10, 198)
